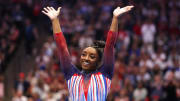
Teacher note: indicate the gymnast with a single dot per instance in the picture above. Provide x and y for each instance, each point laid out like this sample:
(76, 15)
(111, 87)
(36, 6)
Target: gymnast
(92, 83)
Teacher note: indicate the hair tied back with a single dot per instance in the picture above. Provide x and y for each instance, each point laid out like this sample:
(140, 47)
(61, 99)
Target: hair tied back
(99, 44)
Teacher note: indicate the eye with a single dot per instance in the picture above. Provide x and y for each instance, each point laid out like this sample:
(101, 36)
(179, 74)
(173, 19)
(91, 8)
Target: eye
(83, 54)
(92, 56)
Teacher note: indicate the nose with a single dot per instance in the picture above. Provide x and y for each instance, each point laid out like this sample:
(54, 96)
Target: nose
(86, 58)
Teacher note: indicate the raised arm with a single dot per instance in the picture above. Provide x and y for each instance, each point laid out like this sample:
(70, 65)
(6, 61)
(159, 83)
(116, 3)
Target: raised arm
(53, 15)
(65, 59)
(108, 60)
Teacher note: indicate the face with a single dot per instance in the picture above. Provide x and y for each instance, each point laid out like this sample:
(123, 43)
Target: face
(89, 58)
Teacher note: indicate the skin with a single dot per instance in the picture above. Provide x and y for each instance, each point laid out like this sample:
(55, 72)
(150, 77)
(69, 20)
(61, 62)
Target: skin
(89, 59)
(92, 62)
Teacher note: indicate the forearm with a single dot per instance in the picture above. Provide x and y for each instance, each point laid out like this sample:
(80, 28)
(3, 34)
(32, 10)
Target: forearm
(56, 26)
(59, 38)
(109, 48)
(64, 56)
(63, 52)
(108, 57)
(112, 35)
(114, 24)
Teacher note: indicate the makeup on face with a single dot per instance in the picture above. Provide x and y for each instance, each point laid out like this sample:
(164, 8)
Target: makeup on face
(89, 58)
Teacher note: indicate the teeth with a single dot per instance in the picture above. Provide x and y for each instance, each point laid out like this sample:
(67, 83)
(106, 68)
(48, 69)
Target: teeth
(86, 63)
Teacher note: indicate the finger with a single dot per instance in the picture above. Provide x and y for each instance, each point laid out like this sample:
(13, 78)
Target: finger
(46, 9)
(52, 8)
(49, 9)
(44, 12)
(126, 9)
(117, 8)
(129, 7)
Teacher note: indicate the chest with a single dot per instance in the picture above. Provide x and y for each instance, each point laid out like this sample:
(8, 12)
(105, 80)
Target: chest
(97, 85)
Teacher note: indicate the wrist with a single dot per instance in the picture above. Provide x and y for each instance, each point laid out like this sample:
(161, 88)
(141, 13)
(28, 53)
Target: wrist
(115, 17)
(54, 19)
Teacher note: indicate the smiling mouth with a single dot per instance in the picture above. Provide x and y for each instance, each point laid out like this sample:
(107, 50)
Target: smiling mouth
(86, 63)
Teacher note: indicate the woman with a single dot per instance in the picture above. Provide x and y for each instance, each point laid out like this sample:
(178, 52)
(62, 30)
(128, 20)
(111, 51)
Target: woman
(93, 82)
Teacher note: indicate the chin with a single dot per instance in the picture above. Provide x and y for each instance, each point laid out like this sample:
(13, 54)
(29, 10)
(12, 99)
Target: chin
(85, 68)
(88, 69)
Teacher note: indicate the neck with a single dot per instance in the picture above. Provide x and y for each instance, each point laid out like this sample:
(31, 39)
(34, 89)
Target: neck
(87, 71)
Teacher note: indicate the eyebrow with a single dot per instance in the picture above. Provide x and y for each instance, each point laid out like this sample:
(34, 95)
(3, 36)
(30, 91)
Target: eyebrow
(92, 54)
(84, 52)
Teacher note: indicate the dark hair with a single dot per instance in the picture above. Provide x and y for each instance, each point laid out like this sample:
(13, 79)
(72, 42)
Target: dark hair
(99, 46)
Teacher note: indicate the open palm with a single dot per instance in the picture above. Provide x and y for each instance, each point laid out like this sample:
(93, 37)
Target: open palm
(118, 11)
(51, 12)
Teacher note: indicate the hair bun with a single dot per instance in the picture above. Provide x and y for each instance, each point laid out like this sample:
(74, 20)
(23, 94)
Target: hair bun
(99, 44)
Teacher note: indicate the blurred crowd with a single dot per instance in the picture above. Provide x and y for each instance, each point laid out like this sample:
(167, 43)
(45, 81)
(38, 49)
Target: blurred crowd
(16, 24)
(9, 34)
(147, 64)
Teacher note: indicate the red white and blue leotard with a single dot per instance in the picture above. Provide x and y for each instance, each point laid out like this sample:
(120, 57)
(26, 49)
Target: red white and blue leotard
(99, 80)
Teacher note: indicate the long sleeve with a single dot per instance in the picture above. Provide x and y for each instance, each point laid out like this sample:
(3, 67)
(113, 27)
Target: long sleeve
(108, 57)
(65, 59)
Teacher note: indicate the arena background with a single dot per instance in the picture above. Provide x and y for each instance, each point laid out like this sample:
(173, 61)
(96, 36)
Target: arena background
(147, 64)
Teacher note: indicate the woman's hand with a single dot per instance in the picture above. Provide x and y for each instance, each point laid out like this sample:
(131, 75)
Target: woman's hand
(51, 12)
(118, 11)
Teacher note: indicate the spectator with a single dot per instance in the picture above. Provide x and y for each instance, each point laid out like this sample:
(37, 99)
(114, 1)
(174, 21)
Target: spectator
(30, 35)
(140, 93)
(169, 87)
(157, 88)
(147, 49)
(148, 31)
(21, 85)
(19, 96)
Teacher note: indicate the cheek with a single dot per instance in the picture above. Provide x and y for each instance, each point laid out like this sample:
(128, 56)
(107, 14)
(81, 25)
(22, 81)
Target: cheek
(80, 60)
(94, 62)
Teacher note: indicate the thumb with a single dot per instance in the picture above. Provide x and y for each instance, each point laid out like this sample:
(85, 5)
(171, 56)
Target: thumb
(59, 8)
